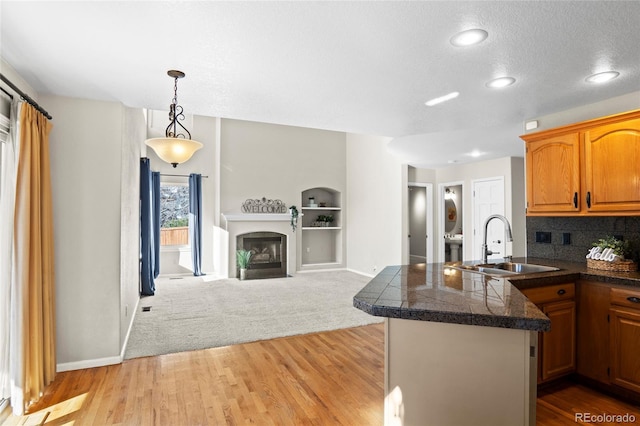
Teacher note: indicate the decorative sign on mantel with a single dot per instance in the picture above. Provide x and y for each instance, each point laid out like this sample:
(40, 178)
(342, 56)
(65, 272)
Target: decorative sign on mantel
(263, 206)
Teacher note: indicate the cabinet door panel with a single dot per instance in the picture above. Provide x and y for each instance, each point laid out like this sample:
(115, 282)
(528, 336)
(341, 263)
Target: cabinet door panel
(593, 331)
(625, 341)
(553, 174)
(558, 345)
(612, 167)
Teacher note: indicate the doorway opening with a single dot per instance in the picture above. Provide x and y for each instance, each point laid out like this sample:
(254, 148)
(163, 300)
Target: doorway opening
(420, 198)
(451, 223)
(175, 249)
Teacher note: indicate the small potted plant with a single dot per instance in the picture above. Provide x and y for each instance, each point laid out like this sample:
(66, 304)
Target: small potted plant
(328, 219)
(243, 258)
(610, 253)
(293, 211)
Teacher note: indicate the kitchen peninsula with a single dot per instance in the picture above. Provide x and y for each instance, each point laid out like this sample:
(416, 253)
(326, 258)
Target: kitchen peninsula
(461, 346)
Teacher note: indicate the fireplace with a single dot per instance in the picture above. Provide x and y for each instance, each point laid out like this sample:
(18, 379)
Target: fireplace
(268, 254)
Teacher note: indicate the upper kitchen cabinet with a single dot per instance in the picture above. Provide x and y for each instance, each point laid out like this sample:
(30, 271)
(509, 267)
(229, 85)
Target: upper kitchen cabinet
(612, 167)
(553, 174)
(590, 168)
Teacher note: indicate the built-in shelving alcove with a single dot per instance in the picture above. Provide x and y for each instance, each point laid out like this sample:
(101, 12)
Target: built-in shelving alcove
(322, 229)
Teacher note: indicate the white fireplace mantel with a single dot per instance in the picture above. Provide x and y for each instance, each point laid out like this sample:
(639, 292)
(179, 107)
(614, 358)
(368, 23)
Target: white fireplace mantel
(257, 217)
(236, 223)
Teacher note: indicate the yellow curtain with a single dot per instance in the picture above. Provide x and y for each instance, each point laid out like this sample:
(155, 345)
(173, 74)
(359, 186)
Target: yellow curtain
(34, 262)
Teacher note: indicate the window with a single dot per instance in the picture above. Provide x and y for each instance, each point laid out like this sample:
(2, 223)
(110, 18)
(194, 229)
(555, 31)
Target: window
(174, 214)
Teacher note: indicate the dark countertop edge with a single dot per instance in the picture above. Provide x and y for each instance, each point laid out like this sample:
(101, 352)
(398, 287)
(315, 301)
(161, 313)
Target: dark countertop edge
(517, 323)
(569, 271)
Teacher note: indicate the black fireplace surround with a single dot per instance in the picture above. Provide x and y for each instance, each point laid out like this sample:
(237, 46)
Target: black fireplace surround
(268, 254)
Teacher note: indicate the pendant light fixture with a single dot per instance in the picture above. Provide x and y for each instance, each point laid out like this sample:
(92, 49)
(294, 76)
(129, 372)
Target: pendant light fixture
(176, 147)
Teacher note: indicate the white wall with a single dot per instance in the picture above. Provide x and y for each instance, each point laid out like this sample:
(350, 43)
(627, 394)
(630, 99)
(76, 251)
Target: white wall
(512, 169)
(377, 202)
(86, 161)
(278, 162)
(616, 105)
(132, 146)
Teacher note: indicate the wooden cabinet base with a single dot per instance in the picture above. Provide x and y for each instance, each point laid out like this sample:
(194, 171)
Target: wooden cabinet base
(624, 343)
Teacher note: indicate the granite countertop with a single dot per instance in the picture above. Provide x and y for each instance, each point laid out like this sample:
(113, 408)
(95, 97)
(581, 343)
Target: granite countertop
(439, 293)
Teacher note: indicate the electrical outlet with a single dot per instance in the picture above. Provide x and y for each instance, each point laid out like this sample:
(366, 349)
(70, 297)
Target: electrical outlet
(566, 238)
(543, 237)
(308, 249)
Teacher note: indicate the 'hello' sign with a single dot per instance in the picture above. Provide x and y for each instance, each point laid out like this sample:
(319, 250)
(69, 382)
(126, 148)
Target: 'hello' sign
(596, 253)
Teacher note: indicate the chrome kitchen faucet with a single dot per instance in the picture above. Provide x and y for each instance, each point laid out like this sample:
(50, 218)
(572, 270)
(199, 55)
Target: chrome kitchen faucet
(507, 230)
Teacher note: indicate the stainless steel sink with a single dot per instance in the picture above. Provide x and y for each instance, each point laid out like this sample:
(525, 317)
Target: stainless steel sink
(506, 268)
(519, 268)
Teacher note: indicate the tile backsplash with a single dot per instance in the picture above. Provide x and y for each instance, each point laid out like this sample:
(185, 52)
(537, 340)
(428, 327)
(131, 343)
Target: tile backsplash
(584, 231)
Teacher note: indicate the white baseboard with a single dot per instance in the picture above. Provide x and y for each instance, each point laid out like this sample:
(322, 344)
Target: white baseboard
(312, 271)
(361, 273)
(88, 363)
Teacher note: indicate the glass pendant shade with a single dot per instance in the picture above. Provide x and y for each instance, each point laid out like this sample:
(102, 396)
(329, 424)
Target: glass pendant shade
(174, 150)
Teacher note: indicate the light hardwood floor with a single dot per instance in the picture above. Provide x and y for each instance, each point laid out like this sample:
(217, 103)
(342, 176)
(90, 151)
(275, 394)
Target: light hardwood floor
(329, 378)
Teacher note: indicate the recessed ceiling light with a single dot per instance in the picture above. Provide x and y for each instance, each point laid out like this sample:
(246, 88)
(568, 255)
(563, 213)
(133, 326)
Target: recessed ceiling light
(602, 77)
(469, 37)
(497, 83)
(441, 99)
(475, 153)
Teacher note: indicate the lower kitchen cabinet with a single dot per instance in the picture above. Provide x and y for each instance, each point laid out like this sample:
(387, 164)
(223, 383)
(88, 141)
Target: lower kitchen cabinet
(558, 356)
(557, 347)
(625, 338)
(593, 330)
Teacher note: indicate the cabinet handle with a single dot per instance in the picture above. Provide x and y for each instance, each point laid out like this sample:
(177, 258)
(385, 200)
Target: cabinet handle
(575, 200)
(633, 299)
(589, 199)
(561, 291)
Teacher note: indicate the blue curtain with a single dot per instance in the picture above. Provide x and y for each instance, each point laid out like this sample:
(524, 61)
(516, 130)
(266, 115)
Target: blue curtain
(195, 221)
(155, 212)
(149, 227)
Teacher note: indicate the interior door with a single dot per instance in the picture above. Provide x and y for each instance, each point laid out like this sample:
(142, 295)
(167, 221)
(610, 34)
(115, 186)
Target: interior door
(420, 208)
(417, 224)
(488, 199)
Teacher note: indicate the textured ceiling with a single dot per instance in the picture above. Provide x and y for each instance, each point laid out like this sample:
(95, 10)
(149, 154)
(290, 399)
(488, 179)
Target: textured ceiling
(362, 67)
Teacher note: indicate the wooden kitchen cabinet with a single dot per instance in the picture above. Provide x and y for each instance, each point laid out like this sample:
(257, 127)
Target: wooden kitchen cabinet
(592, 345)
(589, 168)
(553, 174)
(625, 338)
(612, 167)
(557, 347)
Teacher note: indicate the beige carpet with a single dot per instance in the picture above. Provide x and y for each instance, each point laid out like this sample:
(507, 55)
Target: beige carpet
(189, 313)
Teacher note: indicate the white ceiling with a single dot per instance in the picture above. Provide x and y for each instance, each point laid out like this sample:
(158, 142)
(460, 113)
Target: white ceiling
(362, 67)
